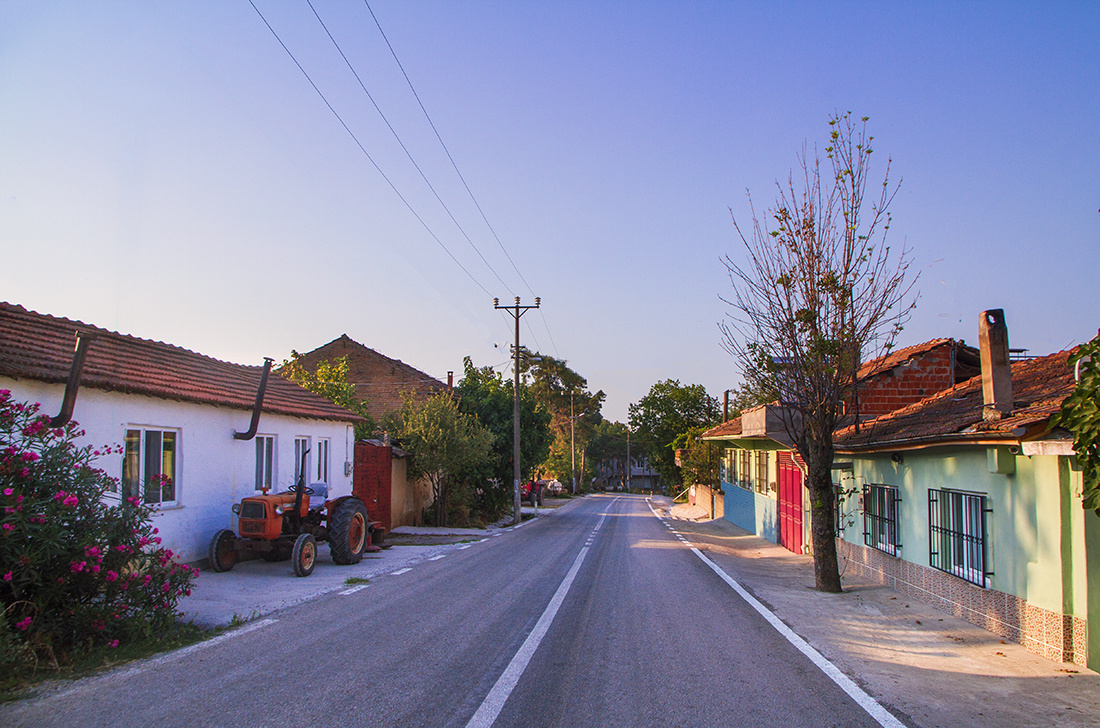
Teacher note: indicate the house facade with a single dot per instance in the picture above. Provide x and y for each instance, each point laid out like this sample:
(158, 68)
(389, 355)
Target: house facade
(175, 414)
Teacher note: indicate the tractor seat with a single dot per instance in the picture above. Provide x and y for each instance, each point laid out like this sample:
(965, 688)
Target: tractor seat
(319, 496)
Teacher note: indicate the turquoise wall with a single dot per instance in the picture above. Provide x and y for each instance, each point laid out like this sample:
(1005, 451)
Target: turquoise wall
(751, 511)
(1034, 535)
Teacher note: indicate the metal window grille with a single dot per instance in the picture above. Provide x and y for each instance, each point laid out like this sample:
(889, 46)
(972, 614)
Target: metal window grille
(762, 472)
(956, 534)
(744, 473)
(838, 501)
(880, 518)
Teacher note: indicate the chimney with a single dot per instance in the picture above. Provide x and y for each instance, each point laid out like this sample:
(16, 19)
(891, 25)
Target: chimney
(726, 407)
(996, 369)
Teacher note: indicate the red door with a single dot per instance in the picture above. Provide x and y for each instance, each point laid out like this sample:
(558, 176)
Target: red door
(790, 503)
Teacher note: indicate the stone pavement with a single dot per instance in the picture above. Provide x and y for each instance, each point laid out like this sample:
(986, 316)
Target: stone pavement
(928, 667)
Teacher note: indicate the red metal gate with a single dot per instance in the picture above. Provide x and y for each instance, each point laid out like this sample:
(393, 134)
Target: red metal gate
(790, 503)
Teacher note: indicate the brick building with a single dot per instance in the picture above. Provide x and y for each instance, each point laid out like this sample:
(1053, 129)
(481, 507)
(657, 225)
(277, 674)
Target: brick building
(908, 375)
(377, 378)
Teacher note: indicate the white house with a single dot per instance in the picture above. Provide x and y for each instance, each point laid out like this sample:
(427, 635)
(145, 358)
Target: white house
(182, 419)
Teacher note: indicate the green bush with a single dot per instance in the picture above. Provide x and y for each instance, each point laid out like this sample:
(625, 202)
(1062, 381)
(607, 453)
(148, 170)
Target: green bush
(79, 566)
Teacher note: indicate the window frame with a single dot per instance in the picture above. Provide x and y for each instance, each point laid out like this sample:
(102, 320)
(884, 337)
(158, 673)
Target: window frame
(958, 534)
(140, 457)
(266, 461)
(881, 521)
(302, 444)
(322, 452)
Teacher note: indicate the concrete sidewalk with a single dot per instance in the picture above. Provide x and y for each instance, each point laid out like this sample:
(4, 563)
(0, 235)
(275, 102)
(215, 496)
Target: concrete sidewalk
(926, 666)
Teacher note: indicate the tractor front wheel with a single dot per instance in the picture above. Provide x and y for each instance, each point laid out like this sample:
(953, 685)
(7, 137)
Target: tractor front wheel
(304, 555)
(223, 552)
(348, 532)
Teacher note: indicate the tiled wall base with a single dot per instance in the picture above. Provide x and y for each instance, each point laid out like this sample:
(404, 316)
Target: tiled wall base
(1058, 637)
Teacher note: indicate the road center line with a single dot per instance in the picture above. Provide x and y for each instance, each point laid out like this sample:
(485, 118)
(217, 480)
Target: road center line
(494, 702)
(399, 572)
(352, 590)
(884, 717)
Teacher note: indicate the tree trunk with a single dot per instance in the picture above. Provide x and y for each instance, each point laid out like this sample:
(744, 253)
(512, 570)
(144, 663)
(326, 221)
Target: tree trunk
(822, 523)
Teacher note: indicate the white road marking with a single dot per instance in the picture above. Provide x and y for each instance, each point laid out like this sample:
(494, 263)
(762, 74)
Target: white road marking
(463, 548)
(399, 572)
(490, 707)
(881, 715)
(437, 558)
(352, 590)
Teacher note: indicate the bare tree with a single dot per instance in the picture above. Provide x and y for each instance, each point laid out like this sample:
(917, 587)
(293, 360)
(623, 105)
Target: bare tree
(818, 289)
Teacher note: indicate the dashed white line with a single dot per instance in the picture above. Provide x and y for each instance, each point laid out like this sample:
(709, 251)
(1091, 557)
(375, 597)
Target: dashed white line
(352, 590)
(399, 572)
(437, 558)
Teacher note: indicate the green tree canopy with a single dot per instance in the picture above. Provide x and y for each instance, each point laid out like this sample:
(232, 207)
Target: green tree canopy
(447, 446)
(484, 394)
(1080, 415)
(330, 380)
(669, 410)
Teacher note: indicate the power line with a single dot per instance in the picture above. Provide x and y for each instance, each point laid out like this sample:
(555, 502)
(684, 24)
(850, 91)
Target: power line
(403, 147)
(445, 149)
(365, 152)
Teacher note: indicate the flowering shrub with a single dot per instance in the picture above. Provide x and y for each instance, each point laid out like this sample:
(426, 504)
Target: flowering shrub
(79, 566)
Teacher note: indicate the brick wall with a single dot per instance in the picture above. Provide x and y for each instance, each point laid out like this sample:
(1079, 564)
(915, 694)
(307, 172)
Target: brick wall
(1058, 637)
(920, 377)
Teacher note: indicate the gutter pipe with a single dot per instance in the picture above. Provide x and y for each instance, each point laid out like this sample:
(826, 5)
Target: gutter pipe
(259, 404)
(83, 341)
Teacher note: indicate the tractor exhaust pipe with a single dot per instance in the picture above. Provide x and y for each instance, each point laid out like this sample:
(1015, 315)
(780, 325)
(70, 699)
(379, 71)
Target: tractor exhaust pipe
(259, 404)
(83, 341)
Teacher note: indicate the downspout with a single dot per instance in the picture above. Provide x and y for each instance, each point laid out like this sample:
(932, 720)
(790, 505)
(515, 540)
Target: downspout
(259, 404)
(83, 341)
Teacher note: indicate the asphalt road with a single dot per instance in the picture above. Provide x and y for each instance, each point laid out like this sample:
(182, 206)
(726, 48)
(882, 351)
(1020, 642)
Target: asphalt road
(597, 614)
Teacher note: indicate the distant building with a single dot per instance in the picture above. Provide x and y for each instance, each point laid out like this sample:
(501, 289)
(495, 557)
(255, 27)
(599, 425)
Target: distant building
(377, 378)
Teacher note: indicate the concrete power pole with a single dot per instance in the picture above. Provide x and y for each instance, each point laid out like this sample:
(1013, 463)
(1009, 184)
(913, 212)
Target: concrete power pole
(516, 311)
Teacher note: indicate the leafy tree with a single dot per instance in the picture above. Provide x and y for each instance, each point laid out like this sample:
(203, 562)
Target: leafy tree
(574, 411)
(484, 394)
(446, 445)
(699, 459)
(1080, 414)
(819, 288)
(607, 450)
(330, 380)
(669, 410)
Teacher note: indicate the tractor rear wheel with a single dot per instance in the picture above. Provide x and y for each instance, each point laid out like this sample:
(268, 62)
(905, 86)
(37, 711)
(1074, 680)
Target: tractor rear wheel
(223, 552)
(348, 532)
(304, 555)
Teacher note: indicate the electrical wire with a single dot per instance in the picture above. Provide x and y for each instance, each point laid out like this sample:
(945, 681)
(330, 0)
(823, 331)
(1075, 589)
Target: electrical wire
(366, 153)
(454, 164)
(404, 148)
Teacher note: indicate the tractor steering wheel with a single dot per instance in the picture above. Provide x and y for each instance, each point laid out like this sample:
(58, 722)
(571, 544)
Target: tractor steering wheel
(307, 490)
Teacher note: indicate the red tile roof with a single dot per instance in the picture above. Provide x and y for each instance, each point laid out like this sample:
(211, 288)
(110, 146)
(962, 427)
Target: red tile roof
(730, 428)
(37, 346)
(1039, 386)
(900, 356)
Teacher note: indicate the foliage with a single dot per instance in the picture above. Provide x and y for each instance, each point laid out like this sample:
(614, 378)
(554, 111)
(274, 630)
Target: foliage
(484, 394)
(78, 566)
(669, 410)
(574, 413)
(699, 459)
(330, 380)
(1080, 414)
(819, 289)
(607, 450)
(448, 447)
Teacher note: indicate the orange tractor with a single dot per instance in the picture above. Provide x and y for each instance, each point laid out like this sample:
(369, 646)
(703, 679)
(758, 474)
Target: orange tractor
(281, 526)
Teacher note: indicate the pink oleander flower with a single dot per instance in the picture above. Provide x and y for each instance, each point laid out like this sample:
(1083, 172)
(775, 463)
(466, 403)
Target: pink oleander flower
(77, 566)
(8, 491)
(113, 643)
(111, 576)
(7, 576)
(8, 527)
(96, 568)
(71, 501)
(24, 624)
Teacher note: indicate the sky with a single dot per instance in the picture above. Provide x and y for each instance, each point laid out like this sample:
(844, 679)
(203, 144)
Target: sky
(168, 171)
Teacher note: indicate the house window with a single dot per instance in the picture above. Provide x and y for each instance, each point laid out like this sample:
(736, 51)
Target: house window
(322, 459)
(880, 518)
(265, 462)
(744, 471)
(762, 472)
(956, 534)
(149, 465)
(301, 458)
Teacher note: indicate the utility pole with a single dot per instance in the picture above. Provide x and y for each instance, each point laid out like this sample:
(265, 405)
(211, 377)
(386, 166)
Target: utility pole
(572, 443)
(516, 311)
(629, 467)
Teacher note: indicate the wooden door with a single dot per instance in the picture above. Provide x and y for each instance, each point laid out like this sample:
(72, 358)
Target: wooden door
(790, 503)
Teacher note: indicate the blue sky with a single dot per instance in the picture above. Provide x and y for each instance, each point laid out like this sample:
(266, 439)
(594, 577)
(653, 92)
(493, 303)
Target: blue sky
(168, 172)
